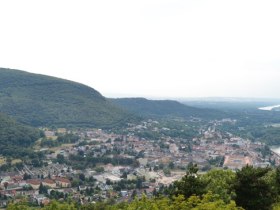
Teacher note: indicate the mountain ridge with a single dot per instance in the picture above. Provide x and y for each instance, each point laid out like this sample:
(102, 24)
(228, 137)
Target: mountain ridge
(164, 108)
(41, 100)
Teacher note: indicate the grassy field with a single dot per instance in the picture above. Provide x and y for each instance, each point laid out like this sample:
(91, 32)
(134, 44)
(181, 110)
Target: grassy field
(2, 160)
(63, 146)
(16, 161)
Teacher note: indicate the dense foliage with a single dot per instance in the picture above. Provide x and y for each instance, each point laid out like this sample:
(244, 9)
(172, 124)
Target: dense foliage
(61, 139)
(81, 162)
(206, 202)
(165, 108)
(15, 138)
(256, 127)
(252, 123)
(42, 100)
(253, 190)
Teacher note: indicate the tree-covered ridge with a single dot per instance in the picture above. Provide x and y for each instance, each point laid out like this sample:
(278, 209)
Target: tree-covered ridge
(208, 202)
(42, 100)
(15, 137)
(165, 108)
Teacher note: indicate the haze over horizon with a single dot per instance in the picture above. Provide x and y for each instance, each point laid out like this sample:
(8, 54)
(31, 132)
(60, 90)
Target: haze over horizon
(149, 48)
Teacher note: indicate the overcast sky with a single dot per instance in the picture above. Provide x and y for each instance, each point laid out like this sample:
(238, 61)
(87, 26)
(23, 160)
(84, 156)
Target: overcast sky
(155, 48)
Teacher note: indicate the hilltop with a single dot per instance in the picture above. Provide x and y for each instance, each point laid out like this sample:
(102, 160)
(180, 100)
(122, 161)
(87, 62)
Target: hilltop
(164, 108)
(40, 100)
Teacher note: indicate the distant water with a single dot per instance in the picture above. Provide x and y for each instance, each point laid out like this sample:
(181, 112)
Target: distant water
(269, 108)
(276, 149)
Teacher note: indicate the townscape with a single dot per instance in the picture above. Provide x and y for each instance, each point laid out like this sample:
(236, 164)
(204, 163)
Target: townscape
(91, 165)
(139, 105)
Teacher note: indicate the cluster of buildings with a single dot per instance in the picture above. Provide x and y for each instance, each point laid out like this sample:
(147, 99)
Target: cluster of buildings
(13, 185)
(156, 163)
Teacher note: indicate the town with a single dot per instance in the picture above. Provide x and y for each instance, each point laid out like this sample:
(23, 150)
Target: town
(91, 165)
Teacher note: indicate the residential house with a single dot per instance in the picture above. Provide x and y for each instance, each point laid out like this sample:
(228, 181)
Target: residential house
(62, 182)
(49, 183)
(34, 183)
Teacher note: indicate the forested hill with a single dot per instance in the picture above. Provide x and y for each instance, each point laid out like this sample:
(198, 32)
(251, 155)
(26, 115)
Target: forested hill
(164, 108)
(40, 100)
(14, 137)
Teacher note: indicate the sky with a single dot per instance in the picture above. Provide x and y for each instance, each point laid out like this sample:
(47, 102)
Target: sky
(148, 48)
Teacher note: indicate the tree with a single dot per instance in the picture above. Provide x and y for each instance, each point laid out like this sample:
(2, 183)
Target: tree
(171, 165)
(82, 177)
(99, 169)
(108, 182)
(43, 189)
(191, 183)
(166, 171)
(252, 190)
(207, 202)
(60, 159)
(6, 185)
(277, 179)
(26, 176)
(36, 163)
(91, 180)
(161, 166)
(139, 183)
(133, 194)
(220, 182)
(124, 175)
(156, 168)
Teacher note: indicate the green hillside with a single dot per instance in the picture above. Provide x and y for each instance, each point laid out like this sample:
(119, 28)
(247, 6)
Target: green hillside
(40, 100)
(15, 137)
(164, 108)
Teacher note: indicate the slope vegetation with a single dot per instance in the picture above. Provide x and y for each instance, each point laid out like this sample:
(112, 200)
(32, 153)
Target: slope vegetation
(15, 137)
(164, 108)
(40, 100)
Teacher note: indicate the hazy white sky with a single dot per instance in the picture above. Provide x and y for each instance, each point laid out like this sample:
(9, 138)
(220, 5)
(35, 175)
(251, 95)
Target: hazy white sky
(169, 48)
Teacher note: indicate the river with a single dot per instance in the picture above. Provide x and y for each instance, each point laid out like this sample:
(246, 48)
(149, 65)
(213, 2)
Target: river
(275, 149)
(269, 108)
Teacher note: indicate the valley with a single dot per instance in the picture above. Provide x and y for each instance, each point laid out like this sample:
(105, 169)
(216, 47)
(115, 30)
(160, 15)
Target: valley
(62, 140)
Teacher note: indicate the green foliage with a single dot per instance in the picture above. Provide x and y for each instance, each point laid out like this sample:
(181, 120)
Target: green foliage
(61, 139)
(220, 182)
(15, 137)
(208, 202)
(269, 135)
(164, 108)
(19, 207)
(190, 184)
(257, 130)
(43, 189)
(254, 124)
(81, 162)
(217, 161)
(42, 100)
(68, 138)
(99, 169)
(53, 206)
(253, 190)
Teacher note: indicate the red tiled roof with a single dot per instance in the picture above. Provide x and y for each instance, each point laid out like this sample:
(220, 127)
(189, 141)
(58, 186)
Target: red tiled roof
(61, 179)
(48, 181)
(33, 181)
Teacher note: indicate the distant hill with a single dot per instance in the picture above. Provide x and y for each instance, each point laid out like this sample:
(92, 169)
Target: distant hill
(164, 108)
(15, 137)
(40, 100)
